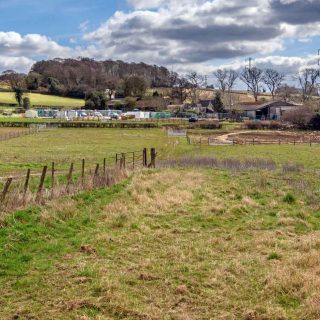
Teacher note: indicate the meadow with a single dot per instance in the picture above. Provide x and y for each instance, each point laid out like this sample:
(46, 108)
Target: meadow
(42, 100)
(188, 240)
(66, 145)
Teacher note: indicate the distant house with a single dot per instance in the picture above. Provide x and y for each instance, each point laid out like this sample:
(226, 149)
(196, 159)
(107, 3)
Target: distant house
(117, 104)
(207, 106)
(272, 110)
(203, 107)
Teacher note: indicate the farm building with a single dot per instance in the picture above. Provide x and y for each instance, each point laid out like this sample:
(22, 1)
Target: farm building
(272, 110)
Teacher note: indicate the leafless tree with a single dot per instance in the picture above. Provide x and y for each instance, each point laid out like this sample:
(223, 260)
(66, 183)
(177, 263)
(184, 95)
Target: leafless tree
(196, 81)
(307, 79)
(180, 89)
(231, 79)
(253, 78)
(286, 92)
(273, 80)
(226, 80)
(221, 76)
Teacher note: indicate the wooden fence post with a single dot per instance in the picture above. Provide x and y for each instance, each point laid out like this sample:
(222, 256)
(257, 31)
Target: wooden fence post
(153, 158)
(133, 160)
(52, 178)
(123, 160)
(104, 166)
(96, 171)
(82, 171)
(40, 187)
(26, 185)
(69, 178)
(5, 189)
(145, 164)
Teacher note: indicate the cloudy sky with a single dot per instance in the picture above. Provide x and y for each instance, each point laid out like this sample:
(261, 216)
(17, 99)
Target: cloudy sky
(183, 35)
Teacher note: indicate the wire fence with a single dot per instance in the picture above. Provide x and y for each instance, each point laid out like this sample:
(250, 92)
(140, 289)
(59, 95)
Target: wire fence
(254, 141)
(18, 133)
(55, 180)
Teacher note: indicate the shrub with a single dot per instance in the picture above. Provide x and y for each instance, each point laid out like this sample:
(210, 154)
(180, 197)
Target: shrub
(289, 198)
(274, 256)
(26, 103)
(261, 125)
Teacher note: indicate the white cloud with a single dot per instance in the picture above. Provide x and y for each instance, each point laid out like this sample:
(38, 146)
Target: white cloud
(186, 34)
(19, 64)
(30, 45)
(194, 32)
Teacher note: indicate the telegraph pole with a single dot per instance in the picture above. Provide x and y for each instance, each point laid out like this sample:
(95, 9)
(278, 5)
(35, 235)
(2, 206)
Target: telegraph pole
(250, 63)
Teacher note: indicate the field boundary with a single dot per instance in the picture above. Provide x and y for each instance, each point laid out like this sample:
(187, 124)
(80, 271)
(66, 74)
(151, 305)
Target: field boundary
(18, 134)
(19, 191)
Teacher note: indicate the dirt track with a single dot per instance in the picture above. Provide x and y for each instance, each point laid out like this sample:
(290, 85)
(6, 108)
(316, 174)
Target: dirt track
(243, 137)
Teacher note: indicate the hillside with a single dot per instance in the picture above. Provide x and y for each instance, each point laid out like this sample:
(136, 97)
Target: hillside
(43, 100)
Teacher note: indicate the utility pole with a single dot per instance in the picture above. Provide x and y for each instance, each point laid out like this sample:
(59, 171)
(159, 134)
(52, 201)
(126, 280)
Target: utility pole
(206, 81)
(250, 63)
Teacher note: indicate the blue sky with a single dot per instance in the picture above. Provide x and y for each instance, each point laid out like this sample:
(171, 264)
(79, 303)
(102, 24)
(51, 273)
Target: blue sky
(58, 19)
(183, 35)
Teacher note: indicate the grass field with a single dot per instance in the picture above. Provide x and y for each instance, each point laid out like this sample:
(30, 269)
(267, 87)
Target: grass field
(66, 145)
(174, 244)
(43, 100)
(168, 244)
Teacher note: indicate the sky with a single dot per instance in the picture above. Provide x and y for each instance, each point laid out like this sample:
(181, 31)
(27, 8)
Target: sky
(183, 35)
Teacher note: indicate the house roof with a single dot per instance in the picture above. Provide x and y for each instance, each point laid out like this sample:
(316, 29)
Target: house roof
(206, 103)
(269, 104)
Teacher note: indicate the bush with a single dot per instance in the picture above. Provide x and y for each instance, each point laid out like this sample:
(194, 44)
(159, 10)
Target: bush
(289, 198)
(265, 125)
(26, 103)
(299, 117)
(314, 123)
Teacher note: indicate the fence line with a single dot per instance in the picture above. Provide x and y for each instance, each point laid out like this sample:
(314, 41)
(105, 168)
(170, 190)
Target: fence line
(214, 141)
(52, 183)
(17, 134)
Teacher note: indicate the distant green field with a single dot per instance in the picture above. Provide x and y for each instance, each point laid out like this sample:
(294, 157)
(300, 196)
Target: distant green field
(43, 100)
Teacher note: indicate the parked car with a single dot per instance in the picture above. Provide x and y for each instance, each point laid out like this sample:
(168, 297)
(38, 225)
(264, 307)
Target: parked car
(98, 114)
(193, 119)
(114, 116)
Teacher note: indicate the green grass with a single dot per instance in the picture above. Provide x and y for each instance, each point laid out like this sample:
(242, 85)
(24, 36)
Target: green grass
(66, 145)
(43, 100)
(168, 244)
(184, 243)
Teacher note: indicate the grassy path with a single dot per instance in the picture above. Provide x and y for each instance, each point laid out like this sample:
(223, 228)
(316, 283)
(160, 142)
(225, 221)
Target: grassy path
(168, 244)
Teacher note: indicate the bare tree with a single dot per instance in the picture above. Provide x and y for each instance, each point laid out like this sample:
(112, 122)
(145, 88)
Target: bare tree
(226, 79)
(273, 80)
(286, 92)
(221, 76)
(180, 89)
(307, 79)
(196, 81)
(253, 78)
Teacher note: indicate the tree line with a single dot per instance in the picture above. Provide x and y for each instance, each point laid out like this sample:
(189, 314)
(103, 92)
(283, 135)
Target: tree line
(99, 81)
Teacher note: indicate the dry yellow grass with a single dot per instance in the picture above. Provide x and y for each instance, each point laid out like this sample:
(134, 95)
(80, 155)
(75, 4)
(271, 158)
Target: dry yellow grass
(176, 244)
